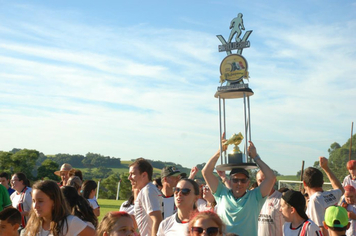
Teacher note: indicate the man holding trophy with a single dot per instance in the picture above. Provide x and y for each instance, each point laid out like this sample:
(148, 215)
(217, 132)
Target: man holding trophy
(238, 207)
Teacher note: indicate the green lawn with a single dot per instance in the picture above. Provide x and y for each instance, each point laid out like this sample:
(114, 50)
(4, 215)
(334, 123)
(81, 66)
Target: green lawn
(107, 205)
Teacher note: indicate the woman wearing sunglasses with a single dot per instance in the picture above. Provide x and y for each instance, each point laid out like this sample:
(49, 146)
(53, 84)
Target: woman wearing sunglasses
(209, 203)
(206, 223)
(186, 193)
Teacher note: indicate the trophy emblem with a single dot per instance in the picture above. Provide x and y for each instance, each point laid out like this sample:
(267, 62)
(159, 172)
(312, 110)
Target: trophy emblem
(234, 73)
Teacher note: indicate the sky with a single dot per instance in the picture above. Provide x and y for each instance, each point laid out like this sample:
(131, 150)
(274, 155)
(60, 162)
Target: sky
(133, 79)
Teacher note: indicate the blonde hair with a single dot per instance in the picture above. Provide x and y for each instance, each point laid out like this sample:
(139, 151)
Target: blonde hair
(207, 215)
(110, 219)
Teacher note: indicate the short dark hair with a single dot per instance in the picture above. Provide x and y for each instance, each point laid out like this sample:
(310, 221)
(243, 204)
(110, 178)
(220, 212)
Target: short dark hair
(313, 177)
(11, 215)
(4, 175)
(143, 166)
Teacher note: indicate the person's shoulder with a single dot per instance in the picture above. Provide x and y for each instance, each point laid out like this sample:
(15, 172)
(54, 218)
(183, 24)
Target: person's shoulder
(3, 188)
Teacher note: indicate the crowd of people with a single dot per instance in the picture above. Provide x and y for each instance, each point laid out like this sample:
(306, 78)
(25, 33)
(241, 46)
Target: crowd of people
(179, 205)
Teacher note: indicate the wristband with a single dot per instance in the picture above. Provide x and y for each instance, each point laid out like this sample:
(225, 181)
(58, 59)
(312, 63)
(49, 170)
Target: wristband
(257, 158)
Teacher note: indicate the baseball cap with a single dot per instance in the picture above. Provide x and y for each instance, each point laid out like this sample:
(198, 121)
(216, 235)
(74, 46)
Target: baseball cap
(239, 170)
(296, 200)
(336, 217)
(169, 171)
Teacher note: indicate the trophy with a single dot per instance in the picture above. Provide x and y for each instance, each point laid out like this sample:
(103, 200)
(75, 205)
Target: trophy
(234, 70)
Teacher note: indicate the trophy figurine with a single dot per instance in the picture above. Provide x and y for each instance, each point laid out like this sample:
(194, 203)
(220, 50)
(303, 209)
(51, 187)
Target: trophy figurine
(235, 156)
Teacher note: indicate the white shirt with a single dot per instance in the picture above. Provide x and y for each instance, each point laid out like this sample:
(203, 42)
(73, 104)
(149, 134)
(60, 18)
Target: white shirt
(349, 181)
(270, 220)
(171, 227)
(352, 230)
(148, 200)
(310, 229)
(201, 206)
(169, 207)
(129, 209)
(75, 226)
(319, 201)
(24, 198)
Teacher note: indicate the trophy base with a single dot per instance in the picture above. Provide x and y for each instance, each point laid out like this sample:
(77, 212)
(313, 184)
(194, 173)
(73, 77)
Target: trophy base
(226, 167)
(226, 92)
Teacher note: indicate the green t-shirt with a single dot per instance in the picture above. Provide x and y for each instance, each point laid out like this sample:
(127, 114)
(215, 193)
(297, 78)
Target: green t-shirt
(4, 198)
(241, 215)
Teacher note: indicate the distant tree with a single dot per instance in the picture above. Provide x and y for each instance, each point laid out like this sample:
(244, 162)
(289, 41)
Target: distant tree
(125, 187)
(101, 172)
(5, 161)
(47, 169)
(25, 161)
(108, 187)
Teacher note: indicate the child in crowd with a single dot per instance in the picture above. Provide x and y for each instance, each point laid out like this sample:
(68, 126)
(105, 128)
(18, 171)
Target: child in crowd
(293, 211)
(50, 215)
(88, 192)
(10, 221)
(351, 178)
(336, 220)
(118, 223)
(349, 204)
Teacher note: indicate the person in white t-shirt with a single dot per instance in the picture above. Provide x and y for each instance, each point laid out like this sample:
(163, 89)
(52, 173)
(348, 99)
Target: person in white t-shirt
(169, 179)
(209, 204)
(319, 199)
(185, 195)
(148, 204)
(297, 223)
(50, 215)
(349, 204)
(88, 192)
(270, 220)
(351, 178)
(21, 199)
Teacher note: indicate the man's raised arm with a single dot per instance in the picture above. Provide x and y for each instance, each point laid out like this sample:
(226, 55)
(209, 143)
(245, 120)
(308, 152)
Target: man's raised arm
(268, 182)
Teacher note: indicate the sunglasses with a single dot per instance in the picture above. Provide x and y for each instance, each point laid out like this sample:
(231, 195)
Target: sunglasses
(211, 231)
(185, 191)
(244, 181)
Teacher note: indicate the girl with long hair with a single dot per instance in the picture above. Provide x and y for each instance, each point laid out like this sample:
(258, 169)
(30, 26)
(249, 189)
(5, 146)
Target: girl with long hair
(50, 214)
(88, 192)
(186, 193)
(79, 206)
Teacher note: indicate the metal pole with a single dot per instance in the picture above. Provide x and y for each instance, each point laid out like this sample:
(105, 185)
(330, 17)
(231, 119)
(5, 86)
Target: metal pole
(97, 189)
(249, 120)
(225, 156)
(301, 178)
(245, 151)
(118, 190)
(352, 127)
(220, 131)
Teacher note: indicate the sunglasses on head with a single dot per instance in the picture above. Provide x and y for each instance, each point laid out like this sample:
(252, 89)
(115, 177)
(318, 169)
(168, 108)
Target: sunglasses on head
(235, 180)
(211, 231)
(185, 191)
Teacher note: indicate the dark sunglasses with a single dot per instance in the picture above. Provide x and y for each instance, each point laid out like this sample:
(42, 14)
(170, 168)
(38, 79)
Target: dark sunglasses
(244, 181)
(185, 191)
(211, 231)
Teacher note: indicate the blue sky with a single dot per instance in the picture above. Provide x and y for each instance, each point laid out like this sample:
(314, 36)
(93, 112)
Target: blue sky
(138, 78)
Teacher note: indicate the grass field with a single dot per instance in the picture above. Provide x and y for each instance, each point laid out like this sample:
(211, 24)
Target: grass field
(107, 205)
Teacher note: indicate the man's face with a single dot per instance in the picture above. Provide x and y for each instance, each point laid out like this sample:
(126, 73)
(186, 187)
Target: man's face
(171, 181)
(285, 210)
(242, 182)
(260, 177)
(350, 197)
(7, 229)
(4, 181)
(136, 178)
